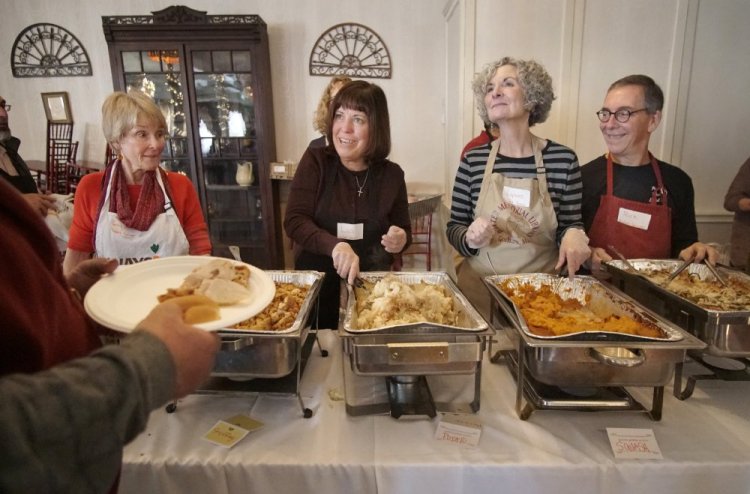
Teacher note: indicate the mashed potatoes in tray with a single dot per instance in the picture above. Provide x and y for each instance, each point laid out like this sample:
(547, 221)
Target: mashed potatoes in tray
(391, 302)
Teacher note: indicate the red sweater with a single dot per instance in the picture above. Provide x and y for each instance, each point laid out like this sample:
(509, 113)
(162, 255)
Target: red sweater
(184, 200)
(43, 324)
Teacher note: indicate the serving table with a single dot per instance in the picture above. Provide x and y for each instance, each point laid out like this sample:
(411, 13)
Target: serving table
(705, 442)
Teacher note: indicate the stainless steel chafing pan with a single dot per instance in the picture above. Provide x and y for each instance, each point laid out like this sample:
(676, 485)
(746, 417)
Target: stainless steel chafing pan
(590, 359)
(727, 333)
(268, 354)
(420, 367)
(468, 319)
(420, 348)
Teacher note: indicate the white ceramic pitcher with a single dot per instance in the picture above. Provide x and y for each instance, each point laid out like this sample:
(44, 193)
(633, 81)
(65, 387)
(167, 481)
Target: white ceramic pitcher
(244, 174)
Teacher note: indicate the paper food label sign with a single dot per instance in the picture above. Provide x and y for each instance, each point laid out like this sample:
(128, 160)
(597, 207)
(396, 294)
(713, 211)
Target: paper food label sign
(230, 431)
(461, 429)
(225, 434)
(634, 444)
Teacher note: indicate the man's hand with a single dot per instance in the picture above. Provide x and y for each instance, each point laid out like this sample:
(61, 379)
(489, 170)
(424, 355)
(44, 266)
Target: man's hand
(345, 261)
(698, 252)
(574, 250)
(193, 350)
(89, 272)
(40, 202)
(394, 240)
(479, 233)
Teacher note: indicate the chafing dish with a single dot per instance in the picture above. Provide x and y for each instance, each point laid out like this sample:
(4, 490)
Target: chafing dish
(415, 368)
(590, 359)
(264, 361)
(726, 333)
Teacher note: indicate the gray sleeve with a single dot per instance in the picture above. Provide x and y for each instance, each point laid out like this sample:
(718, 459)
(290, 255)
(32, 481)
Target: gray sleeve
(63, 430)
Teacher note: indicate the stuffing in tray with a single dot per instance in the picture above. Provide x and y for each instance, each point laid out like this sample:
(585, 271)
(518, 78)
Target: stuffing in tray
(281, 312)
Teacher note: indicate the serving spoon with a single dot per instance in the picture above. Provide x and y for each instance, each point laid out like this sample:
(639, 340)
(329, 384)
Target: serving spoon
(624, 259)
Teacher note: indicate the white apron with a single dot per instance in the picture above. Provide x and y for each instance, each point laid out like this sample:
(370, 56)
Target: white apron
(525, 223)
(164, 238)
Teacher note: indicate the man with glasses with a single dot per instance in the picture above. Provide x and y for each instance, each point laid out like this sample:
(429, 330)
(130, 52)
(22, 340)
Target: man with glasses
(632, 202)
(14, 169)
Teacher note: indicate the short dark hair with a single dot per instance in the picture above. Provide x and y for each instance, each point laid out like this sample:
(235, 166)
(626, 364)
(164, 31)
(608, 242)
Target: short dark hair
(370, 100)
(653, 95)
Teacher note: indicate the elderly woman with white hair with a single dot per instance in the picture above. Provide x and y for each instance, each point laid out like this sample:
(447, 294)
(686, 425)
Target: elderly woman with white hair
(516, 205)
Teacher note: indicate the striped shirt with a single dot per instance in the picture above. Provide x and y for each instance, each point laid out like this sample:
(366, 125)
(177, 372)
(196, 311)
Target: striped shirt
(563, 182)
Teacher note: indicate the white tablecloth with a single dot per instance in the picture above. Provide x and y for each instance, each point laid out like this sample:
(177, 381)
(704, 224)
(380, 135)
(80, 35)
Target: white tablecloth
(705, 442)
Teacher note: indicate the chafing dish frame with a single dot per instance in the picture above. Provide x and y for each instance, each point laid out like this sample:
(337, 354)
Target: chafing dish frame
(289, 351)
(422, 350)
(547, 360)
(726, 333)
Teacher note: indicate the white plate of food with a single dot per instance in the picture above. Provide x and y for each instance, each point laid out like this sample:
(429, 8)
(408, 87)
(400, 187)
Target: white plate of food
(121, 300)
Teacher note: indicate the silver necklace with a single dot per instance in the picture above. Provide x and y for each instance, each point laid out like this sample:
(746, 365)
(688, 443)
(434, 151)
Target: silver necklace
(360, 188)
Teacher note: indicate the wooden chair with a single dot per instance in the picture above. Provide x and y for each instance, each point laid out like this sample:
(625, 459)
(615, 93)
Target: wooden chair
(421, 212)
(59, 154)
(60, 148)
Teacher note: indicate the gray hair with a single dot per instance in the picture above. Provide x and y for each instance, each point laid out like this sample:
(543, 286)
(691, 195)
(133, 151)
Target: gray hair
(652, 93)
(534, 80)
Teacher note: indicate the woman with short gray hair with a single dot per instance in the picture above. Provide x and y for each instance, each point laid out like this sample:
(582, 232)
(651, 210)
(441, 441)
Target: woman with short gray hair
(516, 205)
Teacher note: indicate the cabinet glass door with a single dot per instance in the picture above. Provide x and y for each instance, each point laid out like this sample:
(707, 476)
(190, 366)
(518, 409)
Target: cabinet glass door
(223, 89)
(158, 74)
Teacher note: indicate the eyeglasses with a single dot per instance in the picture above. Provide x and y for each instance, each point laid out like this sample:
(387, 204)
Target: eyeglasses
(621, 116)
(5, 107)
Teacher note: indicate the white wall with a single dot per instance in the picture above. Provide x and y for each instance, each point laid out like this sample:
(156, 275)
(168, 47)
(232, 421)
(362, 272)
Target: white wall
(412, 31)
(695, 49)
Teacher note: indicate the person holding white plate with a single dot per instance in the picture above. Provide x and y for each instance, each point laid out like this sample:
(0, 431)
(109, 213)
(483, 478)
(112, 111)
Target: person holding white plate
(134, 210)
(68, 406)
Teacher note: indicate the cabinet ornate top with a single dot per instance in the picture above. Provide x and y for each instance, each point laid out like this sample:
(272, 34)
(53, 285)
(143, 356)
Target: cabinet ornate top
(179, 14)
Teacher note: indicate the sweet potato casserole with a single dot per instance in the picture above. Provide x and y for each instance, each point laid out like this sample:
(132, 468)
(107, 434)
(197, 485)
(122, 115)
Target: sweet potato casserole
(548, 314)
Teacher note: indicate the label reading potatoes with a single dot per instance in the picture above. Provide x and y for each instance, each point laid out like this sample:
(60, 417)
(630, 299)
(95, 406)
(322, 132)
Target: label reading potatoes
(634, 444)
(460, 429)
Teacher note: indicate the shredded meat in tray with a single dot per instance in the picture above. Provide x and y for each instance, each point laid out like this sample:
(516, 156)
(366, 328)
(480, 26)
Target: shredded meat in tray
(707, 293)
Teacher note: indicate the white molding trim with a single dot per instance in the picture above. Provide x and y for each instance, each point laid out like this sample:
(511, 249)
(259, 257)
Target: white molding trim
(570, 73)
(714, 218)
(674, 115)
(469, 39)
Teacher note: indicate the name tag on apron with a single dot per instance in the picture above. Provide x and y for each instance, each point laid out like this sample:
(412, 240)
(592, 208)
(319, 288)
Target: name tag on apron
(350, 231)
(633, 218)
(517, 197)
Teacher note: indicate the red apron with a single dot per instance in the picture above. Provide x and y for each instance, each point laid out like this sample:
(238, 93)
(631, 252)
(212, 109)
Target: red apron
(637, 229)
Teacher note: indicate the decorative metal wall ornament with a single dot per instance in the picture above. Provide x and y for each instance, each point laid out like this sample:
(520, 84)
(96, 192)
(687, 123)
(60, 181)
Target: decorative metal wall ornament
(350, 49)
(48, 50)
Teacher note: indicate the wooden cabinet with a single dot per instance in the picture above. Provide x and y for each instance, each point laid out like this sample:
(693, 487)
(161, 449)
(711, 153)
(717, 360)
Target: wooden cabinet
(210, 75)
